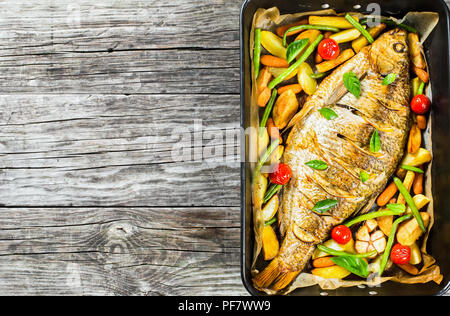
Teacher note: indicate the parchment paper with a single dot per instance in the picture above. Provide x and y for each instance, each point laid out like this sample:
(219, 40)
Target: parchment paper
(424, 22)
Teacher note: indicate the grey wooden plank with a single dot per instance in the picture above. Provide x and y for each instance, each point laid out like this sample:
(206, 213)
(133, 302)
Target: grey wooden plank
(119, 46)
(126, 251)
(100, 150)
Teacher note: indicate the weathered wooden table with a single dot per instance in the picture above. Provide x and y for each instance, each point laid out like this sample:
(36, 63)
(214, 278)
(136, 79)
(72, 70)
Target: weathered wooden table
(95, 197)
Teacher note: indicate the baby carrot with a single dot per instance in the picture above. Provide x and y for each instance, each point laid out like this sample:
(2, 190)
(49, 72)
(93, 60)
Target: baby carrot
(418, 184)
(324, 262)
(296, 88)
(272, 61)
(282, 29)
(274, 131)
(422, 74)
(387, 195)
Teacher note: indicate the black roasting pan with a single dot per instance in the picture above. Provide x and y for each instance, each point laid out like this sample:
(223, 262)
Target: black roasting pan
(437, 51)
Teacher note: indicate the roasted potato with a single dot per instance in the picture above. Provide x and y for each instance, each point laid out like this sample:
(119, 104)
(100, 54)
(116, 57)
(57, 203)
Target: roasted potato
(271, 208)
(273, 44)
(270, 243)
(308, 84)
(333, 272)
(409, 232)
(285, 109)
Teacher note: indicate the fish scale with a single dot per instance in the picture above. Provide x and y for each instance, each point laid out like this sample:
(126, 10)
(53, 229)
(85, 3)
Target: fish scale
(344, 143)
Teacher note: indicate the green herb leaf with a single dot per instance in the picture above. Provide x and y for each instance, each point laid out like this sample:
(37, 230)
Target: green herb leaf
(364, 176)
(328, 113)
(296, 48)
(389, 79)
(317, 164)
(351, 82)
(270, 222)
(375, 143)
(410, 168)
(325, 205)
(353, 264)
(400, 208)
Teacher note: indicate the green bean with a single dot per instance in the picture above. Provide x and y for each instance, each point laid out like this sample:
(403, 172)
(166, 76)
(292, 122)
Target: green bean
(409, 200)
(413, 169)
(392, 23)
(268, 223)
(257, 52)
(266, 155)
(308, 27)
(372, 215)
(274, 189)
(421, 88)
(338, 253)
(268, 109)
(390, 242)
(359, 27)
(294, 66)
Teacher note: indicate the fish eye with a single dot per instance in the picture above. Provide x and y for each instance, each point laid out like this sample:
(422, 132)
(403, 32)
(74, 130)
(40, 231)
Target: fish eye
(399, 47)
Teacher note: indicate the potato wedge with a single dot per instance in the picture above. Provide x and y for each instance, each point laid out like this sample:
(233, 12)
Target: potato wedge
(308, 84)
(271, 208)
(263, 141)
(416, 254)
(407, 182)
(408, 232)
(278, 71)
(273, 44)
(346, 36)
(415, 139)
(285, 108)
(385, 224)
(337, 21)
(330, 64)
(349, 247)
(415, 52)
(276, 155)
(270, 243)
(263, 80)
(420, 200)
(362, 42)
(333, 272)
(422, 156)
(259, 189)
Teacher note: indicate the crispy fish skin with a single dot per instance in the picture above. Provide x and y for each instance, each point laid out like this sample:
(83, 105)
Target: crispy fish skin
(344, 144)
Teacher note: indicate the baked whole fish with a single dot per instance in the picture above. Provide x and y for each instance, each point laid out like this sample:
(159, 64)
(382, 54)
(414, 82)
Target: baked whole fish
(344, 144)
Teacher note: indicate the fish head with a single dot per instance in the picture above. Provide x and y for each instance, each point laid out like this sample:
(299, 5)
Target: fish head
(389, 53)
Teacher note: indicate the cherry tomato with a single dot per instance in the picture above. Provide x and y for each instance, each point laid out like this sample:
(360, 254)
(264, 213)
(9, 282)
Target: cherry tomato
(420, 104)
(282, 175)
(400, 254)
(341, 234)
(328, 49)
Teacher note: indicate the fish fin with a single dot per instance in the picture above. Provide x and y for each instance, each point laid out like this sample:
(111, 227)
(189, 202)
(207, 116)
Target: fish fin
(266, 277)
(284, 280)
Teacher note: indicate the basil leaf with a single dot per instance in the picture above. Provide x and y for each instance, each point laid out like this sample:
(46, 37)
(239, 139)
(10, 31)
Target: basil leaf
(389, 79)
(328, 113)
(296, 48)
(325, 205)
(364, 176)
(410, 168)
(317, 164)
(396, 207)
(375, 143)
(351, 82)
(353, 264)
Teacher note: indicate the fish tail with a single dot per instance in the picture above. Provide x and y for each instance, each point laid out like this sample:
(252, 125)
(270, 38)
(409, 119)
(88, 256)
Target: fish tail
(266, 277)
(284, 280)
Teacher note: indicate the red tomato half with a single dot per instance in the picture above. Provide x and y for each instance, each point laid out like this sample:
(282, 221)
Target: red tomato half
(341, 234)
(282, 175)
(400, 254)
(328, 49)
(420, 104)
